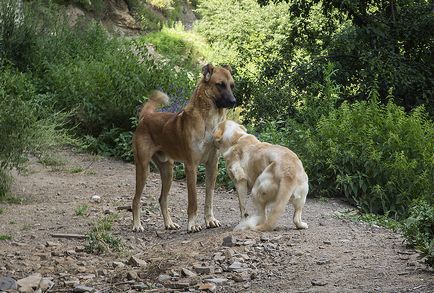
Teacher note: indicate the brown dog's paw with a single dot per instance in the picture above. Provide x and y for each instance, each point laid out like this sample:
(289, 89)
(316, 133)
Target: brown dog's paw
(212, 223)
(172, 226)
(194, 229)
(138, 228)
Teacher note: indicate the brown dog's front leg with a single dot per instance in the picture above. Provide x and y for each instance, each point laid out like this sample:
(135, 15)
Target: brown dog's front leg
(211, 175)
(191, 173)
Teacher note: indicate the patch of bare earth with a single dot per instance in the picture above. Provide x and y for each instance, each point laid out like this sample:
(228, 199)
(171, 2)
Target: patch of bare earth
(333, 255)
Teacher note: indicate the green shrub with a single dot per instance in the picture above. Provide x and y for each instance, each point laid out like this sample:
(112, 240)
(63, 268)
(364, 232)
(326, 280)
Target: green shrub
(26, 126)
(419, 229)
(100, 239)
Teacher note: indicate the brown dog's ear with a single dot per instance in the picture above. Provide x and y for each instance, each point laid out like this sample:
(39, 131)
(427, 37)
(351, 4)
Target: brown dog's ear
(227, 67)
(207, 71)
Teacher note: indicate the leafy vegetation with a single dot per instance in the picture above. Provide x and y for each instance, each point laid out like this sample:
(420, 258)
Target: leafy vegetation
(81, 210)
(100, 239)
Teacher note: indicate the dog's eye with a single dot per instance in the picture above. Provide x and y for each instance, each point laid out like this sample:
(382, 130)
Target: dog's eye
(221, 85)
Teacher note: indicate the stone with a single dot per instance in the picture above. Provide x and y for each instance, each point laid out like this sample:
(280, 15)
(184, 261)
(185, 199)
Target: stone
(31, 282)
(327, 242)
(139, 286)
(229, 241)
(96, 198)
(203, 269)
(8, 283)
(217, 281)
(136, 262)
(118, 264)
(236, 266)
(229, 253)
(323, 261)
(318, 283)
(179, 285)
(241, 277)
(51, 243)
(69, 283)
(187, 273)
(82, 289)
(163, 278)
(208, 286)
(132, 275)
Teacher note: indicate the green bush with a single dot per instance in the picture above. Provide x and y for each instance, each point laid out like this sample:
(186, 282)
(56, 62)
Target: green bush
(419, 229)
(377, 156)
(26, 125)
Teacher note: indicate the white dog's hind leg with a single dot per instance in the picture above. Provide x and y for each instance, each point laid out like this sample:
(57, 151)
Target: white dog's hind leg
(248, 223)
(298, 202)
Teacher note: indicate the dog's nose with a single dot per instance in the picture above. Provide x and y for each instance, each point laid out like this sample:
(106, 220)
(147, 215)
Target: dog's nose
(232, 102)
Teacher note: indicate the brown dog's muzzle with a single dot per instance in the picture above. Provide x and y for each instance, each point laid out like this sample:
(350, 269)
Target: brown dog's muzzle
(226, 100)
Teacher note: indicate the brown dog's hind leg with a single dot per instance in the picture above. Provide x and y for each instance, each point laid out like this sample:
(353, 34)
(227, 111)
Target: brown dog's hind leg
(141, 175)
(210, 178)
(166, 174)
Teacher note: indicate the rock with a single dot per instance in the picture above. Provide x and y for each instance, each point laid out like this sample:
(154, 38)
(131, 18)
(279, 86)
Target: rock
(229, 241)
(179, 285)
(82, 289)
(219, 257)
(327, 242)
(229, 253)
(323, 261)
(132, 275)
(139, 286)
(118, 264)
(46, 284)
(31, 282)
(203, 269)
(51, 243)
(7, 283)
(236, 266)
(136, 262)
(217, 281)
(187, 273)
(208, 286)
(96, 198)
(249, 242)
(163, 278)
(265, 238)
(318, 283)
(241, 277)
(69, 283)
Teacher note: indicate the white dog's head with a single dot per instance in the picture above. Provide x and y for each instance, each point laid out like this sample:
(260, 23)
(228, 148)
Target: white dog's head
(227, 134)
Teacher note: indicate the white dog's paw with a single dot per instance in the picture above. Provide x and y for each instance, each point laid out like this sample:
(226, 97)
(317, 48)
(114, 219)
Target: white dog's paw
(301, 225)
(138, 228)
(248, 223)
(212, 223)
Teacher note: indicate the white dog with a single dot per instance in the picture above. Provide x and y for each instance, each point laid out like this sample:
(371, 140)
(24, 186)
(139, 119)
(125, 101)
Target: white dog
(273, 174)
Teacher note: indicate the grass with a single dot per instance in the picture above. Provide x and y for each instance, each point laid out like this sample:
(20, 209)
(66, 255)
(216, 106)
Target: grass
(81, 210)
(372, 219)
(100, 239)
(2, 210)
(5, 237)
(12, 222)
(11, 199)
(76, 170)
(51, 161)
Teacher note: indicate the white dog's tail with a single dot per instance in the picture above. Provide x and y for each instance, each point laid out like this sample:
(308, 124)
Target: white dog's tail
(248, 224)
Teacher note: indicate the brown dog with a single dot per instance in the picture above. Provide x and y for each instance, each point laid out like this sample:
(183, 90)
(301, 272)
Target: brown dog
(187, 137)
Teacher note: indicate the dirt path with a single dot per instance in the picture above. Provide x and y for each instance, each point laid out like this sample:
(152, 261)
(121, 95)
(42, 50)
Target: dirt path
(333, 255)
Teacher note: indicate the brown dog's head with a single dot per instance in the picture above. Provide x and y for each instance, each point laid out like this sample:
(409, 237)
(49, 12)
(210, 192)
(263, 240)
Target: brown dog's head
(219, 84)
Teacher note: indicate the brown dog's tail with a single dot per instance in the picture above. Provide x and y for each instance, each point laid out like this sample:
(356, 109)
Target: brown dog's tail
(155, 99)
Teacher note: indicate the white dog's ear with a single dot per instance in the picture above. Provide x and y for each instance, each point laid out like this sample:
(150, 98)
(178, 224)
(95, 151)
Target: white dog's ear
(218, 134)
(243, 128)
(207, 71)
